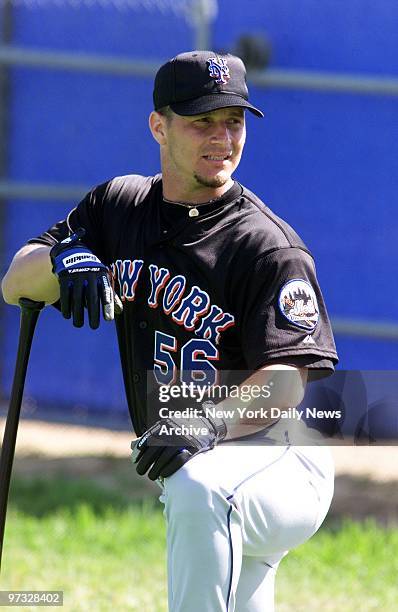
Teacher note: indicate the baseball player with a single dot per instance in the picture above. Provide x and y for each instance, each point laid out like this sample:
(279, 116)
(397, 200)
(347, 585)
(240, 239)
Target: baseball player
(205, 281)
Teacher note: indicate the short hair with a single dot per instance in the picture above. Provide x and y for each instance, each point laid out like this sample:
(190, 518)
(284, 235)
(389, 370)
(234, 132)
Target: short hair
(166, 111)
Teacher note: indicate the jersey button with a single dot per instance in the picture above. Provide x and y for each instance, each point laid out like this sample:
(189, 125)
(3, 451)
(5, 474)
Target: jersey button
(143, 324)
(136, 377)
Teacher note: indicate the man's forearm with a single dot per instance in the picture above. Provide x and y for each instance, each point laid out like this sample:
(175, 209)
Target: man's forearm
(286, 387)
(30, 275)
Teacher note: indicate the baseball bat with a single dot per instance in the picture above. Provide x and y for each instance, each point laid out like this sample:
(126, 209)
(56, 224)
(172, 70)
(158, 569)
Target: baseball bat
(30, 311)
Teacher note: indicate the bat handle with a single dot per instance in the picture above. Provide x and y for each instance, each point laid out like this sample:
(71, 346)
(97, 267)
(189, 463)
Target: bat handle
(28, 304)
(30, 311)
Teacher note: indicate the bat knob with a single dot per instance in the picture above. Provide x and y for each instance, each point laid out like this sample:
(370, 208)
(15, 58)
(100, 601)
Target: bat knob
(26, 303)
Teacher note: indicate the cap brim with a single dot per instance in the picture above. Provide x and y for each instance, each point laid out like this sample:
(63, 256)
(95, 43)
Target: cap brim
(212, 102)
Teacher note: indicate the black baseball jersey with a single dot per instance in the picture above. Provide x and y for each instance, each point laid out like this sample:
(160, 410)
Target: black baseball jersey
(233, 288)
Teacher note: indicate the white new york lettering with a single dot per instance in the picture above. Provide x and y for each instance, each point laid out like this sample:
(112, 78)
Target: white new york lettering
(128, 273)
(158, 278)
(215, 322)
(192, 308)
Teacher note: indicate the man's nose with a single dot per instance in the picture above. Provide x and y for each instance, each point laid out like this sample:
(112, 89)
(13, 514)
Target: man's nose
(221, 132)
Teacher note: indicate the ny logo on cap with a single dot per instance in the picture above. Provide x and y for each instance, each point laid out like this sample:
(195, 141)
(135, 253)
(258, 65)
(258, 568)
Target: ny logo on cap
(218, 69)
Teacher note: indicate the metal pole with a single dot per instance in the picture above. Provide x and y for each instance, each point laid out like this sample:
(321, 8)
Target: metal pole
(202, 16)
(6, 28)
(19, 190)
(378, 330)
(11, 55)
(325, 81)
(310, 80)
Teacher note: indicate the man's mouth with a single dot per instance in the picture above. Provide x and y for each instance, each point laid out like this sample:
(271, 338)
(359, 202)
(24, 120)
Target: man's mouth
(218, 157)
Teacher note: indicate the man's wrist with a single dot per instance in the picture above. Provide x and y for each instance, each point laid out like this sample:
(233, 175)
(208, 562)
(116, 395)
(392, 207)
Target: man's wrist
(218, 423)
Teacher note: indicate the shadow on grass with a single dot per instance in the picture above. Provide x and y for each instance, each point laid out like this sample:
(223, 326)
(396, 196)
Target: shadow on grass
(41, 497)
(360, 499)
(42, 485)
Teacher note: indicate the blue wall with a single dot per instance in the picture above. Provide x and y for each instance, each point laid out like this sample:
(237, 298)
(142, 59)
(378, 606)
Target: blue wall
(325, 162)
(334, 35)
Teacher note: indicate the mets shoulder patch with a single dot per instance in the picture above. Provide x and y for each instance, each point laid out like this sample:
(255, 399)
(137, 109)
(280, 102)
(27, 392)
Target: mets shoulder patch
(298, 303)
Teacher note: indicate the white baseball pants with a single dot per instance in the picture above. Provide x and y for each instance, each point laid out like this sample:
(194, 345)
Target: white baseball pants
(232, 514)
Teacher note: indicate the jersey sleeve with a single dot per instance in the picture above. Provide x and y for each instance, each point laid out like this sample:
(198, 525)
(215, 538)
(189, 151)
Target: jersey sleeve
(283, 315)
(88, 214)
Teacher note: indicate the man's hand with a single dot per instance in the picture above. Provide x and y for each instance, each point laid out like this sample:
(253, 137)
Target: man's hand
(84, 282)
(170, 443)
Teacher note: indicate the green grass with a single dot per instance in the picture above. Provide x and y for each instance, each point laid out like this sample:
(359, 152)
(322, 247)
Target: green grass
(103, 552)
(108, 554)
(347, 567)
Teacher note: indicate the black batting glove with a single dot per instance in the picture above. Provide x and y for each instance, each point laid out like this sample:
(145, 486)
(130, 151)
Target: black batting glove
(84, 282)
(170, 443)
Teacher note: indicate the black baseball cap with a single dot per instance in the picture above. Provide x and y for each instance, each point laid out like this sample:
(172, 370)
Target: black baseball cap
(200, 81)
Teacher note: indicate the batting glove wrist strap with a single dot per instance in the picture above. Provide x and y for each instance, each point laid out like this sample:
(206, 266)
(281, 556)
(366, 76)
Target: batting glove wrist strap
(218, 424)
(84, 281)
(171, 442)
(72, 254)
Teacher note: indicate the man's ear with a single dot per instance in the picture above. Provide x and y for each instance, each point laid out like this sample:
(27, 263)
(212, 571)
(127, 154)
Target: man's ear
(157, 125)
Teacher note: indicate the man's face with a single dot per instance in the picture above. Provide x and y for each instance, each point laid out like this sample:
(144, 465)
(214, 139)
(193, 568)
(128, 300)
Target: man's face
(202, 151)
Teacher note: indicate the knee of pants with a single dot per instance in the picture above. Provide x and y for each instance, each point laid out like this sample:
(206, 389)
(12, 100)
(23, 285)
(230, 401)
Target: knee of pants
(189, 492)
